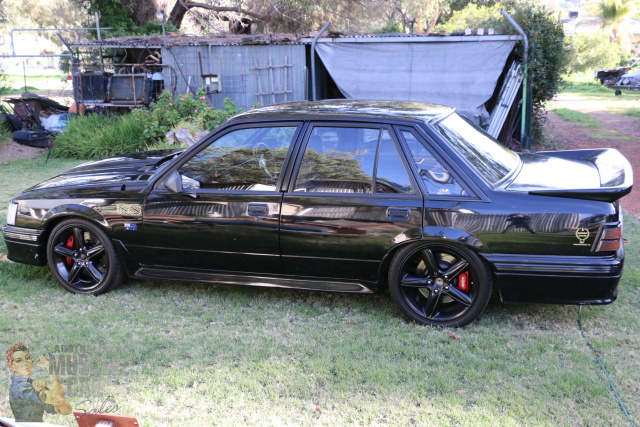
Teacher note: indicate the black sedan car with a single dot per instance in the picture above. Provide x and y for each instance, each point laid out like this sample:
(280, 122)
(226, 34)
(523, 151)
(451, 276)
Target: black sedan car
(340, 196)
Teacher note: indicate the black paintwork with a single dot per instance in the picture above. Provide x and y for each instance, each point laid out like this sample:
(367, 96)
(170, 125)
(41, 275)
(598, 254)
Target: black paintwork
(524, 227)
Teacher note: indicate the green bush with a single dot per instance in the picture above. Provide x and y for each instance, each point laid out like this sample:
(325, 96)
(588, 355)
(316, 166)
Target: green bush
(591, 51)
(169, 111)
(94, 136)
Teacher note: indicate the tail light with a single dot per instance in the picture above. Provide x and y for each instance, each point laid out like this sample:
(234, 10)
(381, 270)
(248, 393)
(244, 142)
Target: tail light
(610, 238)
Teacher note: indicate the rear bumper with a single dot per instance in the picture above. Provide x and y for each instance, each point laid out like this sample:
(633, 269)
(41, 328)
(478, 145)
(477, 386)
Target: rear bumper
(553, 279)
(25, 245)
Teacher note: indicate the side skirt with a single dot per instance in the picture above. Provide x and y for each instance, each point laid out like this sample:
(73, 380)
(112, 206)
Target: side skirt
(244, 280)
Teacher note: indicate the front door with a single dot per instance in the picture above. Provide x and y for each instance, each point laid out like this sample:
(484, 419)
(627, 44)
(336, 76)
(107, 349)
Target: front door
(226, 216)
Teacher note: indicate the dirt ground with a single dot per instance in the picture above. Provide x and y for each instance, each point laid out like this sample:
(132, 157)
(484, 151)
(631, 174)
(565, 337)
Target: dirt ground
(617, 131)
(11, 150)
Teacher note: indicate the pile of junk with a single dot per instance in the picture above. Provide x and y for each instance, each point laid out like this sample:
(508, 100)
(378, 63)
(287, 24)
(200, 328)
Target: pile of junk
(34, 119)
(621, 78)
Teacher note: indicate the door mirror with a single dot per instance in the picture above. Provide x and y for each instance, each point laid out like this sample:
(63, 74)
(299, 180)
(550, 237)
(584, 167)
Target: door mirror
(173, 182)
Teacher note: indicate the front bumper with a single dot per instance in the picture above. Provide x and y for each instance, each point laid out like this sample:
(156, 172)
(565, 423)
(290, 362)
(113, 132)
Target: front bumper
(552, 279)
(25, 245)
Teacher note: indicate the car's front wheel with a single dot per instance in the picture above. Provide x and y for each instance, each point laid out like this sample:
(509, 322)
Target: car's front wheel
(82, 258)
(439, 284)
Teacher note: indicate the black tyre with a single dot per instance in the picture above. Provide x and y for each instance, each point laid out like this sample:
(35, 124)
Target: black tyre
(439, 284)
(82, 258)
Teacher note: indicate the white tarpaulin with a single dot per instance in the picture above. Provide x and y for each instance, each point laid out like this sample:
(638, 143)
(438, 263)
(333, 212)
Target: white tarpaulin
(459, 74)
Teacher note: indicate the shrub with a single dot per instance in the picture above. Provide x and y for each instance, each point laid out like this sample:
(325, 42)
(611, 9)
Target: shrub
(94, 136)
(167, 112)
(591, 51)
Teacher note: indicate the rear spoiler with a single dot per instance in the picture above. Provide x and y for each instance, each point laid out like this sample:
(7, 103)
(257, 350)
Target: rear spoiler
(616, 175)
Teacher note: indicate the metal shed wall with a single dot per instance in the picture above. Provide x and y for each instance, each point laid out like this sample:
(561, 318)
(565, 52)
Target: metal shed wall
(245, 72)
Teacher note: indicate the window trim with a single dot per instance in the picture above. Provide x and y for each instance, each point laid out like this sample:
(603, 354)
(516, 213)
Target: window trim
(304, 141)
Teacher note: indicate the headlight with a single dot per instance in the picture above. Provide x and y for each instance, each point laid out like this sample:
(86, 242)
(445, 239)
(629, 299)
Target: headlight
(11, 213)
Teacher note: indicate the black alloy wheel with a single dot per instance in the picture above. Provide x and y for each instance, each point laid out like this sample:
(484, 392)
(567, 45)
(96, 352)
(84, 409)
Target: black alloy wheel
(439, 284)
(82, 258)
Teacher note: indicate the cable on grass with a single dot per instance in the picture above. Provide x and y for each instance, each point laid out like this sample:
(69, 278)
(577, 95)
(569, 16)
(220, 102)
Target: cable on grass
(604, 369)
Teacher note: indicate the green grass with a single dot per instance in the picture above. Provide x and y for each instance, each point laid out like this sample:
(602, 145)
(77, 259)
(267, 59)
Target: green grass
(185, 354)
(576, 116)
(15, 82)
(633, 112)
(620, 138)
(584, 82)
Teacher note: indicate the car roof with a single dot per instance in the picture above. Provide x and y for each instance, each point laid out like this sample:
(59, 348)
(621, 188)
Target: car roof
(348, 109)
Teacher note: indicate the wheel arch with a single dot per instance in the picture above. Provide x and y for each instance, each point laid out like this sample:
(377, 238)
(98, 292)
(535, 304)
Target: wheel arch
(64, 212)
(448, 235)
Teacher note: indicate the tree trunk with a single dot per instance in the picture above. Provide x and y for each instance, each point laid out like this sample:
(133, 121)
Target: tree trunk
(177, 13)
(143, 11)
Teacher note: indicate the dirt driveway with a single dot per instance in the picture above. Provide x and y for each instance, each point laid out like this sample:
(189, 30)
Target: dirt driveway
(615, 131)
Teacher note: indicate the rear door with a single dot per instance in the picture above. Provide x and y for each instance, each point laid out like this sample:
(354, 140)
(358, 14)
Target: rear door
(349, 201)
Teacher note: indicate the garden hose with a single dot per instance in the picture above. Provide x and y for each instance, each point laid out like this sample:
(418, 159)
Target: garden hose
(604, 369)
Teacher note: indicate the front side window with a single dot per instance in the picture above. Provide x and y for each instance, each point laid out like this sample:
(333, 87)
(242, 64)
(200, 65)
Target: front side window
(244, 159)
(491, 159)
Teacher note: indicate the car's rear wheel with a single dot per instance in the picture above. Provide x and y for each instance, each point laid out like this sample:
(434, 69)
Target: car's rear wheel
(439, 284)
(82, 258)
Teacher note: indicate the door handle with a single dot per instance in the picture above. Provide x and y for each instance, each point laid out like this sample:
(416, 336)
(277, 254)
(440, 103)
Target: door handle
(258, 209)
(398, 214)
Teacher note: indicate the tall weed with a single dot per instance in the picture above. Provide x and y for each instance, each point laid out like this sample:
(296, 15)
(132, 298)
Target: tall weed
(94, 136)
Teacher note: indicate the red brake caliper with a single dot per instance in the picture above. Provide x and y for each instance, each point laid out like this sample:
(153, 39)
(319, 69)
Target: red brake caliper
(69, 244)
(463, 281)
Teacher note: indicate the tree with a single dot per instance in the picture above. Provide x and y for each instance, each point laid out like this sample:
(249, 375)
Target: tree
(43, 14)
(459, 5)
(281, 15)
(127, 17)
(418, 12)
(614, 13)
(591, 51)
(472, 16)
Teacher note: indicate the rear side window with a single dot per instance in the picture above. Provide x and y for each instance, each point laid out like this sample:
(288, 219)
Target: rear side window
(437, 179)
(345, 160)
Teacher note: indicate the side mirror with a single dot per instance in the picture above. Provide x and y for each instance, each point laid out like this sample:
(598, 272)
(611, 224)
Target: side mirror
(173, 182)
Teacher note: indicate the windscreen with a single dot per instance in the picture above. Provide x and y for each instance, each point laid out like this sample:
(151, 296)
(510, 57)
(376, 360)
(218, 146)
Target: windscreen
(491, 159)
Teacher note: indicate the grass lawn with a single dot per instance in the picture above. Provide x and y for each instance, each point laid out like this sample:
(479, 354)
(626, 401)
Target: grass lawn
(576, 116)
(15, 83)
(194, 354)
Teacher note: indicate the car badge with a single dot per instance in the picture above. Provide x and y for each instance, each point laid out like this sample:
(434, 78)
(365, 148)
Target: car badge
(582, 234)
(128, 209)
(130, 227)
